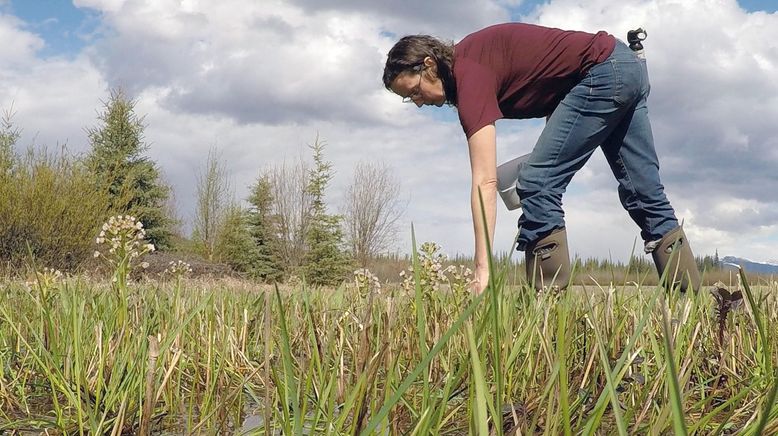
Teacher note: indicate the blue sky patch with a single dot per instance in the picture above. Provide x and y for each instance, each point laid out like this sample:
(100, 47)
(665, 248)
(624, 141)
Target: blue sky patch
(65, 28)
(759, 5)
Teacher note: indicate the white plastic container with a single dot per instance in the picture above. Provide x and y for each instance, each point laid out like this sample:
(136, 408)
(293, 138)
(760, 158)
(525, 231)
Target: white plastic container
(507, 175)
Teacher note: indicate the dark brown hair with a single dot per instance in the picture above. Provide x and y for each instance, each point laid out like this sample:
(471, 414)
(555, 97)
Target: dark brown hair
(408, 55)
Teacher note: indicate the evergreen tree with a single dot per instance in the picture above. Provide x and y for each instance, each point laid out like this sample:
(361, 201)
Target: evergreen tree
(263, 226)
(131, 179)
(326, 263)
(8, 137)
(235, 246)
(708, 262)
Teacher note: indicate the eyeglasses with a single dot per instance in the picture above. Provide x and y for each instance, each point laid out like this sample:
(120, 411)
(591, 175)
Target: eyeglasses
(416, 91)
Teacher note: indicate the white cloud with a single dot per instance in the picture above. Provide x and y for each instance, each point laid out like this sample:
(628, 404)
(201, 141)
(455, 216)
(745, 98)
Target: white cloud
(259, 80)
(53, 99)
(19, 46)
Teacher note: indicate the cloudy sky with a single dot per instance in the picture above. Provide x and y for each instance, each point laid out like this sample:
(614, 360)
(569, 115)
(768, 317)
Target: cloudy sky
(259, 80)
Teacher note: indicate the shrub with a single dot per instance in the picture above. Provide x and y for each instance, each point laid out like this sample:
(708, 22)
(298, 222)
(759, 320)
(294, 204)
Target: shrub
(49, 202)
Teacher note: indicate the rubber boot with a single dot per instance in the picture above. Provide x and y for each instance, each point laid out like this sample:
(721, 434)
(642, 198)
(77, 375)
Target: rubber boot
(674, 254)
(548, 262)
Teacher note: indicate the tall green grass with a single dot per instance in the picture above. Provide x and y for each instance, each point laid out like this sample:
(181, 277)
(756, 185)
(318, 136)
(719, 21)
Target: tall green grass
(606, 359)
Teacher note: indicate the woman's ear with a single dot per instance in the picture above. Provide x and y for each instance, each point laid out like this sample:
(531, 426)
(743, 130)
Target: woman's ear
(431, 65)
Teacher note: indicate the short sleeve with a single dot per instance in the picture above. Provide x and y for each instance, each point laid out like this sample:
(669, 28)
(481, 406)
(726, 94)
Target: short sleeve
(476, 96)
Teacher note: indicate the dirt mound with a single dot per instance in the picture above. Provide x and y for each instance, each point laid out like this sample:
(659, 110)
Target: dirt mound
(160, 261)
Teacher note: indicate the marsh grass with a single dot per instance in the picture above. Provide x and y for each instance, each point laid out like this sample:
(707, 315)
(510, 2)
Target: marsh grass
(188, 356)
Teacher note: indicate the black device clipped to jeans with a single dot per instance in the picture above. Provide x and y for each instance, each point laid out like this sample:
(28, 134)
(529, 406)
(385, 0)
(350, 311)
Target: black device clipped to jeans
(634, 38)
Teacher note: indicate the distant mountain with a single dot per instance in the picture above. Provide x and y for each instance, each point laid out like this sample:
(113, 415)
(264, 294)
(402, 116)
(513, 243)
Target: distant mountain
(750, 266)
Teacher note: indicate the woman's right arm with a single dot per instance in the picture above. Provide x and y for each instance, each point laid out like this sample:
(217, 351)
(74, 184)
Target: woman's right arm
(482, 146)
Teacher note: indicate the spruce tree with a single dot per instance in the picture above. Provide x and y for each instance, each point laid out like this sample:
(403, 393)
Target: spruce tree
(326, 262)
(235, 246)
(121, 169)
(264, 231)
(8, 137)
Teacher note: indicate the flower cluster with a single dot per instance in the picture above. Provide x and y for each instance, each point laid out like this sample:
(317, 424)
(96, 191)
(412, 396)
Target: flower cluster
(49, 277)
(432, 274)
(178, 268)
(431, 271)
(366, 281)
(461, 279)
(126, 240)
(47, 281)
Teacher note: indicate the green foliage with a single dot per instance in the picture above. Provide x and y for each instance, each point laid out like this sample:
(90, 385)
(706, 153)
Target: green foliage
(131, 179)
(590, 361)
(8, 137)
(709, 263)
(235, 245)
(213, 203)
(49, 202)
(326, 262)
(263, 227)
(122, 242)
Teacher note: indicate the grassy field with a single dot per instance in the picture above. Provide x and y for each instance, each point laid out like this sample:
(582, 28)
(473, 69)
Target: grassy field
(185, 356)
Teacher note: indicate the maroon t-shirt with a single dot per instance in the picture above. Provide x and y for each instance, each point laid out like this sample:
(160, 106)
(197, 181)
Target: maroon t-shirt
(518, 70)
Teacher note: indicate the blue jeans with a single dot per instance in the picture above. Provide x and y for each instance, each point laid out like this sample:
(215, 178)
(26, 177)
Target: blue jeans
(607, 109)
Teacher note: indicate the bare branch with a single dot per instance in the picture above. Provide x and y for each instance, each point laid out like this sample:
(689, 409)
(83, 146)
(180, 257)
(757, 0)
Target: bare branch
(372, 209)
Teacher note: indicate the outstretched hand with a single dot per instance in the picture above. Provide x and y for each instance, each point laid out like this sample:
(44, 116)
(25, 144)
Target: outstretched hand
(480, 281)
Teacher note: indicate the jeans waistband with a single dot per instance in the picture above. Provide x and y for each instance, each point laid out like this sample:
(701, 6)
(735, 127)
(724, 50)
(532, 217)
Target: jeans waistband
(622, 53)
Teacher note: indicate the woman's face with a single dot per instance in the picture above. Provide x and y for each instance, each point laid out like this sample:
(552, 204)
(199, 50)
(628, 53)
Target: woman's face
(420, 88)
